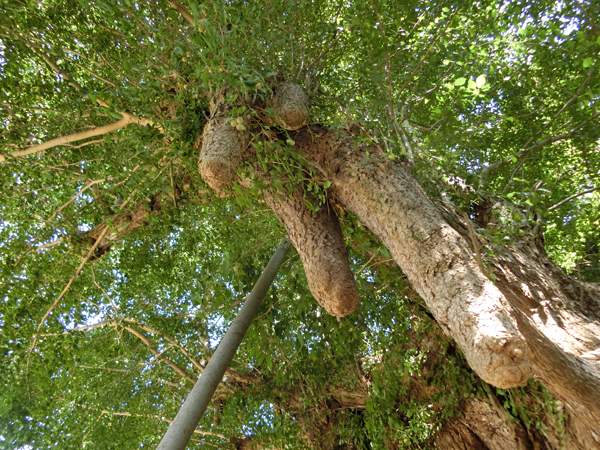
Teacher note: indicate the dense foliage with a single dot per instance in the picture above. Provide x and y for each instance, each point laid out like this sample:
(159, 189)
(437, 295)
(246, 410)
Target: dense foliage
(487, 99)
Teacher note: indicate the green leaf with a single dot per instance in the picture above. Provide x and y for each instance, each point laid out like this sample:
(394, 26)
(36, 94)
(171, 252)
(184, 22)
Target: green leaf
(194, 7)
(480, 81)
(460, 81)
(587, 62)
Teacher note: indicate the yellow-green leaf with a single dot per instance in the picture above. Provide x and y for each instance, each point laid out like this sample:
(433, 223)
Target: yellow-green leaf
(480, 81)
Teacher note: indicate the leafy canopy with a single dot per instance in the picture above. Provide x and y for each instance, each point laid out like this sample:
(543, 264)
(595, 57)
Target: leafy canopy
(489, 99)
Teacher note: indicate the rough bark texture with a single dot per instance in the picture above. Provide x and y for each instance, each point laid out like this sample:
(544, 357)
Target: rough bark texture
(560, 319)
(222, 146)
(533, 320)
(316, 236)
(320, 244)
(433, 255)
(483, 425)
(291, 105)
(527, 319)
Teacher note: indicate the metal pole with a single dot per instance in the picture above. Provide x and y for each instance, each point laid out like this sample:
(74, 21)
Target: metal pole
(181, 429)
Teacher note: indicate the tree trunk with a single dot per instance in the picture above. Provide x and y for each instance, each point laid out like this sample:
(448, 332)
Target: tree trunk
(532, 320)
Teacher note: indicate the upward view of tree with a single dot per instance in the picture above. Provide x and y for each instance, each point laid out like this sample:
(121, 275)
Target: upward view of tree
(436, 166)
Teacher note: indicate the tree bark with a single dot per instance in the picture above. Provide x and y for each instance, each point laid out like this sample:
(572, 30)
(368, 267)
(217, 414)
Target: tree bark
(531, 321)
(318, 239)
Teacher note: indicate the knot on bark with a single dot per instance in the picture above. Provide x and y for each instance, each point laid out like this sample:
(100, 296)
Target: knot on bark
(291, 105)
(222, 145)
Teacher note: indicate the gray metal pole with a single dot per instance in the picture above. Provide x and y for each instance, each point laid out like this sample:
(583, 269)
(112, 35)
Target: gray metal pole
(181, 429)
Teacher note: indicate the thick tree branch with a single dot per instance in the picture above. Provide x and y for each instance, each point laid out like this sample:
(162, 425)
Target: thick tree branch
(126, 120)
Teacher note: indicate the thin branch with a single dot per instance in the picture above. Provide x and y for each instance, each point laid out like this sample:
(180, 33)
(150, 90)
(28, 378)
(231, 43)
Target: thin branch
(524, 152)
(110, 30)
(187, 16)
(126, 120)
(66, 288)
(387, 64)
(98, 131)
(64, 49)
(199, 366)
(57, 69)
(431, 91)
(128, 414)
(323, 54)
(103, 368)
(373, 141)
(81, 191)
(16, 127)
(49, 244)
(568, 199)
(566, 105)
(104, 292)
(476, 246)
(97, 141)
(158, 354)
(64, 291)
(90, 327)
(94, 74)
(259, 245)
(431, 48)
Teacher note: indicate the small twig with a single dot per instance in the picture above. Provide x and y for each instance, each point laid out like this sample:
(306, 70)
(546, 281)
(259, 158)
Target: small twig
(566, 105)
(373, 141)
(431, 47)
(104, 292)
(521, 154)
(81, 191)
(366, 264)
(199, 366)
(94, 74)
(66, 288)
(322, 55)
(260, 245)
(172, 184)
(159, 355)
(476, 246)
(387, 64)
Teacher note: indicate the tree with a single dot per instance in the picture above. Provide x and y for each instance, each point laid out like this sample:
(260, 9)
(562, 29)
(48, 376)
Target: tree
(448, 163)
